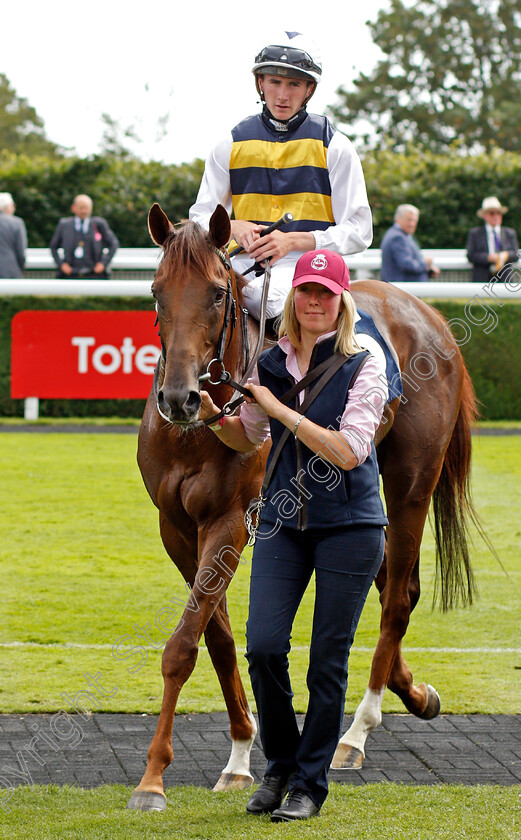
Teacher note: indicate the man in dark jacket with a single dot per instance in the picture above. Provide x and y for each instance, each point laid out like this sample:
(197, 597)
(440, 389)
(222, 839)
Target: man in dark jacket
(402, 260)
(13, 239)
(83, 245)
(491, 246)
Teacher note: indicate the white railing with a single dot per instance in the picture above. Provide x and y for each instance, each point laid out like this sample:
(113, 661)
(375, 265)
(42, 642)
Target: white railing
(139, 259)
(146, 259)
(141, 288)
(49, 287)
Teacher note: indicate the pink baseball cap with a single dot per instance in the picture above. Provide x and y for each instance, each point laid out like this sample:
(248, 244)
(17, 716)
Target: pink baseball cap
(325, 267)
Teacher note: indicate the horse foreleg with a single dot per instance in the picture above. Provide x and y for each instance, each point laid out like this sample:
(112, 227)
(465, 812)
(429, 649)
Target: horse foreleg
(178, 661)
(243, 728)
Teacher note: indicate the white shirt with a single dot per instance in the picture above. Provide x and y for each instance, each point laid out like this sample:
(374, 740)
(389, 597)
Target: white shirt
(492, 249)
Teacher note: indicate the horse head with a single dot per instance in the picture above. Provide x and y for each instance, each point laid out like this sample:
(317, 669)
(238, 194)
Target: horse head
(196, 291)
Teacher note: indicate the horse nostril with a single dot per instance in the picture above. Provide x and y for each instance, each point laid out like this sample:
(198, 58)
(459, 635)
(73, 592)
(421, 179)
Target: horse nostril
(192, 403)
(162, 403)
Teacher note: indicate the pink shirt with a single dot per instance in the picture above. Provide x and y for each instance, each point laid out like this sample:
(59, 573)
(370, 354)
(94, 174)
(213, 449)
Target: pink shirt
(362, 412)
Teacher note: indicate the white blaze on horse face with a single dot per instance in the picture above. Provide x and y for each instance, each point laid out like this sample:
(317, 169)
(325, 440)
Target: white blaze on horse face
(367, 717)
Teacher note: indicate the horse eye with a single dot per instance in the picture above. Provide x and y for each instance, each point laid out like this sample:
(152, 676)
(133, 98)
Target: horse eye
(219, 296)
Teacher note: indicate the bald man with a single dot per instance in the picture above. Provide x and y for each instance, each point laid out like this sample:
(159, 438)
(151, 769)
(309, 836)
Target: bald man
(83, 245)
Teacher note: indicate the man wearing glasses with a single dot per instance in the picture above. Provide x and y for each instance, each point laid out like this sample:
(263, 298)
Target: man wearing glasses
(285, 160)
(491, 246)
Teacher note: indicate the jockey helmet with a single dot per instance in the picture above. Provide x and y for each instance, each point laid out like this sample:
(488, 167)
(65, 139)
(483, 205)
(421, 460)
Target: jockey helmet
(292, 55)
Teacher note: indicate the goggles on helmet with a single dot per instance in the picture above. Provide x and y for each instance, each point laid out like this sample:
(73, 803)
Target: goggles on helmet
(290, 55)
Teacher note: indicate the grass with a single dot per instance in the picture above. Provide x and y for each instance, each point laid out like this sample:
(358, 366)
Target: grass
(83, 566)
(372, 812)
(83, 563)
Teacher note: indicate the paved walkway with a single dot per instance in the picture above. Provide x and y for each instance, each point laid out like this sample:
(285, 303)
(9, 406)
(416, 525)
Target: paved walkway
(112, 748)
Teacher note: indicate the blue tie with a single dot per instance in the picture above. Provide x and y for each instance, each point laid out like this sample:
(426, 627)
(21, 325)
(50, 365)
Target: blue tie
(497, 241)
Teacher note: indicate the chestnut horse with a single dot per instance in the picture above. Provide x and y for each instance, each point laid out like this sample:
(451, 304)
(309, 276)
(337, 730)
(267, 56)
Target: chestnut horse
(202, 488)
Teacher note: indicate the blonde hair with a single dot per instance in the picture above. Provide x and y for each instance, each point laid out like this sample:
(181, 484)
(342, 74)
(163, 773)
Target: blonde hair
(345, 343)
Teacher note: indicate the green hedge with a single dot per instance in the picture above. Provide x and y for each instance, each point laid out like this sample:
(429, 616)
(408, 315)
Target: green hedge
(491, 358)
(447, 188)
(122, 190)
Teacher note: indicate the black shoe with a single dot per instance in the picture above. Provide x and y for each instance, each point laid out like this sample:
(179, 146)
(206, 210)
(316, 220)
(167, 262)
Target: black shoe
(268, 796)
(298, 806)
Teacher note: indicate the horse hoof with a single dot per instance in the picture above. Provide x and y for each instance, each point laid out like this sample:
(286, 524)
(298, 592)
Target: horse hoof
(233, 781)
(347, 758)
(144, 800)
(432, 709)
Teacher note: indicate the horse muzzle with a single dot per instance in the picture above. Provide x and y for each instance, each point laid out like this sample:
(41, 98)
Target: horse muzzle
(179, 405)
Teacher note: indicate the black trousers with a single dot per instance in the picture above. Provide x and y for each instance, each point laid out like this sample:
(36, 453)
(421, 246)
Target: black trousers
(345, 562)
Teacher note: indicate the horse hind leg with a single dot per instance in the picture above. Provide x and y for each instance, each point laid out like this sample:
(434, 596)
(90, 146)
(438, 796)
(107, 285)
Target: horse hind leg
(221, 647)
(350, 751)
(398, 583)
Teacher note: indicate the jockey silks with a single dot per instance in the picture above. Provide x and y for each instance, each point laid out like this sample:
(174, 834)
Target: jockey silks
(269, 167)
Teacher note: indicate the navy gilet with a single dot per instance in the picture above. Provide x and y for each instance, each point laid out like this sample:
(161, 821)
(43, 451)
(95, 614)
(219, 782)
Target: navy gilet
(307, 491)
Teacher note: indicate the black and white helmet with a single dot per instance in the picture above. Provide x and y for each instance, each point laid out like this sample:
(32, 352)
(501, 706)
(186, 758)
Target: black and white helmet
(291, 54)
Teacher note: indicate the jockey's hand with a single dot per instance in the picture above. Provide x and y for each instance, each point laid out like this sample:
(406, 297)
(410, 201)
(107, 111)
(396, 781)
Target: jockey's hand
(208, 408)
(274, 246)
(277, 244)
(246, 233)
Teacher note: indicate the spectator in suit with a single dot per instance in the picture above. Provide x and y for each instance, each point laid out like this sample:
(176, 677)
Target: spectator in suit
(402, 260)
(491, 246)
(86, 241)
(13, 239)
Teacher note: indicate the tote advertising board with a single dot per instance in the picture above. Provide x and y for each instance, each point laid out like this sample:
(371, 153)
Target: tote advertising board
(89, 355)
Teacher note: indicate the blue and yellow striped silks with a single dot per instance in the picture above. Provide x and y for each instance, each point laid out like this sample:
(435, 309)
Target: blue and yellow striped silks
(272, 173)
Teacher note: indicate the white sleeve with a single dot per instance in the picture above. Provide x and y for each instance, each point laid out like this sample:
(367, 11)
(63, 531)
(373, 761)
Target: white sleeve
(353, 231)
(215, 185)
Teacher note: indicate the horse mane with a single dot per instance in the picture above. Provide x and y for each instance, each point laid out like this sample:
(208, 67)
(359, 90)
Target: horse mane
(191, 245)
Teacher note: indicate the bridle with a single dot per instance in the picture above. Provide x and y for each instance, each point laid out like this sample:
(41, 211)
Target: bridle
(225, 337)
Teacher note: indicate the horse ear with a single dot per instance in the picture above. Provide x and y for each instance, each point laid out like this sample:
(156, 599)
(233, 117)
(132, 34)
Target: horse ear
(159, 225)
(220, 228)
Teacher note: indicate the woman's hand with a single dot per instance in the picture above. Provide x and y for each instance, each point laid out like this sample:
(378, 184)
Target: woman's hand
(208, 408)
(263, 397)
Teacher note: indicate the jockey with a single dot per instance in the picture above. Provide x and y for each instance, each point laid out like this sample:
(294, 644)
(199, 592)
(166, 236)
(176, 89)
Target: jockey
(285, 160)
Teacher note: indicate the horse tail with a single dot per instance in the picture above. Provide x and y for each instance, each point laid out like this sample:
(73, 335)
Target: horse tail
(454, 510)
